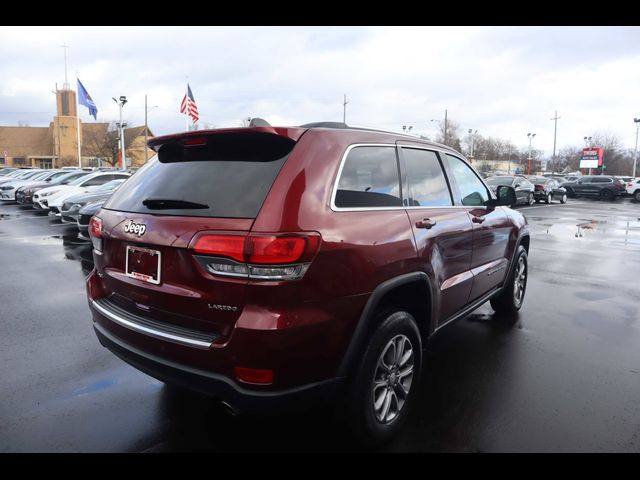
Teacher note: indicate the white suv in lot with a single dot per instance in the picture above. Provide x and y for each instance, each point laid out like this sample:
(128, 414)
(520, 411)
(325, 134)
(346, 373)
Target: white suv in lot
(51, 198)
(633, 188)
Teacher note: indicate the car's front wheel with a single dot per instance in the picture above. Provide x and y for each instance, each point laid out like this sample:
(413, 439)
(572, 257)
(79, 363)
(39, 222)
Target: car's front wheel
(563, 199)
(509, 301)
(637, 196)
(530, 199)
(386, 381)
(549, 198)
(606, 194)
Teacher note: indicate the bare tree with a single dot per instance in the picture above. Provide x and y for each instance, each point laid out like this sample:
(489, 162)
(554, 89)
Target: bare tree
(452, 136)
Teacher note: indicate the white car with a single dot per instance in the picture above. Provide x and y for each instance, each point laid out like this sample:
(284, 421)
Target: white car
(8, 189)
(19, 174)
(633, 188)
(84, 185)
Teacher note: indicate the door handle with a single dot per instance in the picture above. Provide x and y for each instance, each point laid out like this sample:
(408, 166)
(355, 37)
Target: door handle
(425, 223)
(475, 219)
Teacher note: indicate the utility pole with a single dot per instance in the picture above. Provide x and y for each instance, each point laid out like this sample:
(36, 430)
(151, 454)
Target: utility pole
(445, 126)
(121, 103)
(635, 151)
(555, 130)
(344, 109)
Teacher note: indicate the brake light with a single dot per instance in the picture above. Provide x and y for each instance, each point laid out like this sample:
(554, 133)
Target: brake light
(231, 246)
(539, 187)
(193, 142)
(95, 232)
(260, 257)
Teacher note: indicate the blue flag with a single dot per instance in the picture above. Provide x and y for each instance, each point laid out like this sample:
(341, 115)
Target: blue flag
(85, 99)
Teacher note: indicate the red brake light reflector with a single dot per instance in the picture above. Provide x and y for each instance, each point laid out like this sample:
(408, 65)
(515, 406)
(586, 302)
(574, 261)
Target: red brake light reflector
(192, 142)
(254, 375)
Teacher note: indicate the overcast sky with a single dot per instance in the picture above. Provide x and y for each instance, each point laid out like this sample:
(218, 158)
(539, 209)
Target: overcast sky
(502, 81)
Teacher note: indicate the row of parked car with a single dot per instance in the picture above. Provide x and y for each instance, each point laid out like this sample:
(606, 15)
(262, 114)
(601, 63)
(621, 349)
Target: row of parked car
(536, 188)
(74, 195)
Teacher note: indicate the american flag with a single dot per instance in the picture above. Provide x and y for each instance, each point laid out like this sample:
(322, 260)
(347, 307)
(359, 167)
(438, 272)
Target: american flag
(188, 106)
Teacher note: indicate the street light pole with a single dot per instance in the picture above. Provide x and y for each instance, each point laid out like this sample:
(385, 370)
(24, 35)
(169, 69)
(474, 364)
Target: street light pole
(121, 103)
(445, 126)
(530, 135)
(635, 151)
(473, 137)
(555, 131)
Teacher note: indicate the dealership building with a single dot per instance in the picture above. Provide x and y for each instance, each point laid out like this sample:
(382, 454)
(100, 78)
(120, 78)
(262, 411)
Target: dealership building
(57, 145)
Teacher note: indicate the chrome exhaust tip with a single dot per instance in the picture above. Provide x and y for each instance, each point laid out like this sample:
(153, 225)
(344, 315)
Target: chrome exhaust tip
(229, 409)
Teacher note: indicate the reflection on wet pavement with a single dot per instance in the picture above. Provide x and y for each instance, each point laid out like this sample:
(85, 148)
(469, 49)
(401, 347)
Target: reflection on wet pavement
(562, 375)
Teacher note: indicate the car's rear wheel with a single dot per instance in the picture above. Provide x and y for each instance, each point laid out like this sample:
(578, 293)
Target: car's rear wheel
(637, 196)
(564, 198)
(385, 383)
(510, 300)
(548, 200)
(606, 194)
(530, 199)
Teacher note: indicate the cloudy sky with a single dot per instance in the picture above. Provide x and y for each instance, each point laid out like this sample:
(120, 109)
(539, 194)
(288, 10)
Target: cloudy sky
(502, 81)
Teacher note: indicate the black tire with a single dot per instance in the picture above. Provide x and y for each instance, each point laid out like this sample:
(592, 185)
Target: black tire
(362, 416)
(548, 199)
(606, 195)
(530, 199)
(563, 199)
(506, 302)
(636, 195)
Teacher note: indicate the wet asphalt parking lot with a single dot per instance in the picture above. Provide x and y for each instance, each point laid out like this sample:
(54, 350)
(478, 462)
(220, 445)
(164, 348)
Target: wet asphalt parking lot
(564, 378)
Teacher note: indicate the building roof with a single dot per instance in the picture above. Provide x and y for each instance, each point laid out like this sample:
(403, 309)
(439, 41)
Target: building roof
(26, 141)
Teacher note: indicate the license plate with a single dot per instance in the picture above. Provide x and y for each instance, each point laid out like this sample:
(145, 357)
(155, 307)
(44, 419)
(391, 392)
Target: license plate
(143, 264)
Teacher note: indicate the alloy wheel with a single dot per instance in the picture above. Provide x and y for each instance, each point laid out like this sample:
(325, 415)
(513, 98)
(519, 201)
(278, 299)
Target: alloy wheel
(392, 379)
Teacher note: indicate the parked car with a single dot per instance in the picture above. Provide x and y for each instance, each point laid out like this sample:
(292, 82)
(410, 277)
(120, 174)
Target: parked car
(523, 187)
(84, 217)
(601, 186)
(9, 190)
(547, 189)
(269, 265)
(18, 175)
(51, 198)
(70, 210)
(633, 189)
(24, 194)
(5, 170)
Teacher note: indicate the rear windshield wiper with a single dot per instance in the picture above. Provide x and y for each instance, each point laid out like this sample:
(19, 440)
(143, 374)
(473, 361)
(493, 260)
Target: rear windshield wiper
(170, 204)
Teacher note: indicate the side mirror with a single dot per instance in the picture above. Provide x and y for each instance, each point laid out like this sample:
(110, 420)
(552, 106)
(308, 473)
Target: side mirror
(506, 195)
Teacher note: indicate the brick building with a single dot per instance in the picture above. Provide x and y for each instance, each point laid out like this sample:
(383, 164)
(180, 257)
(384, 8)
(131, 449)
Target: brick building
(56, 145)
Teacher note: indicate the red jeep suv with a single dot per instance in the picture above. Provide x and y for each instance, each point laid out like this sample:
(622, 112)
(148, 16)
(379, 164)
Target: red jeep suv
(276, 265)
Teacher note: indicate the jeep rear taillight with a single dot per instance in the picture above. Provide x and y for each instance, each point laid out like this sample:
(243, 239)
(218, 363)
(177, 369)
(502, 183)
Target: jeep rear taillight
(95, 232)
(258, 256)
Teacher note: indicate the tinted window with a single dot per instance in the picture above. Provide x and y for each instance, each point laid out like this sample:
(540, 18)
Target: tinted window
(601, 180)
(427, 184)
(472, 190)
(369, 179)
(230, 174)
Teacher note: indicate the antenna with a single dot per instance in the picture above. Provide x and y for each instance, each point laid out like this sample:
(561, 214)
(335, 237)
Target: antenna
(66, 79)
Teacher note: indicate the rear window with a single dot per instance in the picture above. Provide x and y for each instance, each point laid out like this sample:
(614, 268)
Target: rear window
(229, 175)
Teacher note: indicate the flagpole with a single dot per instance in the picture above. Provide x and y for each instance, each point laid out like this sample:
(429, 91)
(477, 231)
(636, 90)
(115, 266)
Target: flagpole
(186, 96)
(78, 121)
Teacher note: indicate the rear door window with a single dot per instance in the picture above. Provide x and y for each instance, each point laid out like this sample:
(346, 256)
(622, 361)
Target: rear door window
(369, 178)
(427, 184)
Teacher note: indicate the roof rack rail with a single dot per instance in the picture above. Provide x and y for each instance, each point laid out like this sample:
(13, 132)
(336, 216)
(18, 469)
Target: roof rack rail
(325, 125)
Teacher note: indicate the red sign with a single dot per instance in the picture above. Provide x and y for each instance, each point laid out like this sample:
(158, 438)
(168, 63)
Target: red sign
(593, 154)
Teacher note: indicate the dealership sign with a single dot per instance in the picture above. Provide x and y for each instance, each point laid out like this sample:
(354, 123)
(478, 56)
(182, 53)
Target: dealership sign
(591, 157)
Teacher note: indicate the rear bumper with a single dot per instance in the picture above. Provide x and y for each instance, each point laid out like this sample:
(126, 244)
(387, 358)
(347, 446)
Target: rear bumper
(241, 399)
